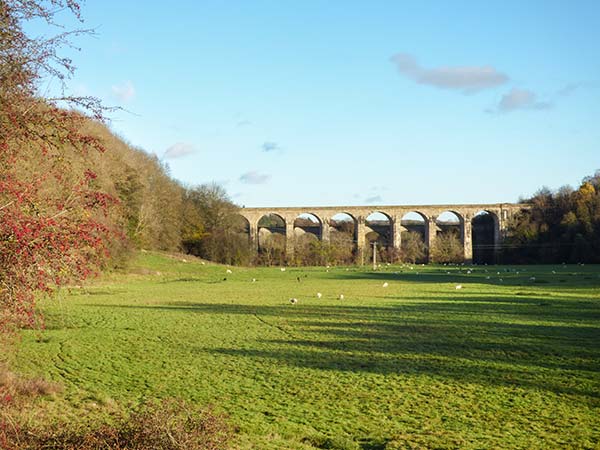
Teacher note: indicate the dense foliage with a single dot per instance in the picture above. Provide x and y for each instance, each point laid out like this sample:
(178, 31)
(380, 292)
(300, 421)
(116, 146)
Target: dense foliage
(447, 248)
(53, 226)
(561, 226)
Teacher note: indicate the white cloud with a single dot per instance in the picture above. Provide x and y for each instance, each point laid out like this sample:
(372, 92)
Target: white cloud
(124, 92)
(270, 147)
(521, 99)
(254, 177)
(179, 150)
(468, 79)
(373, 199)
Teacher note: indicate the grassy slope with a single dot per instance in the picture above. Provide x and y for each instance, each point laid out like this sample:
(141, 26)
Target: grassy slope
(511, 364)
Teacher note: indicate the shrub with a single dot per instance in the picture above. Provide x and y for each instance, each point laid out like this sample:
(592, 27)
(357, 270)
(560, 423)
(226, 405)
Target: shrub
(166, 425)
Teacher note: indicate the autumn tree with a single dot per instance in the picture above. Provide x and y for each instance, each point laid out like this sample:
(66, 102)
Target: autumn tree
(413, 249)
(212, 227)
(53, 227)
(561, 226)
(447, 248)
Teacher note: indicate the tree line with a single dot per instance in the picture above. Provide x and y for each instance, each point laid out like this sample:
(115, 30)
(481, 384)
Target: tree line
(562, 226)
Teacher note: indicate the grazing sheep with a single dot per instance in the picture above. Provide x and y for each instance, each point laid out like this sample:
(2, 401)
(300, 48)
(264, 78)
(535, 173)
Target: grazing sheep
(254, 280)
(283, 269)
(341, 297)
(293, 301)
(458, 286)
(319, 295)
(228, 271)
(385, 284)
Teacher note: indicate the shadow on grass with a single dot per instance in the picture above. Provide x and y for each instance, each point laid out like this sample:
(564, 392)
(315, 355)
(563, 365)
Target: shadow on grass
(547, 344)
(543, 279)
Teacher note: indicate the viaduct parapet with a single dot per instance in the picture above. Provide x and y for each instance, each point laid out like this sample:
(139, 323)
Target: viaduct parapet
(500, 213)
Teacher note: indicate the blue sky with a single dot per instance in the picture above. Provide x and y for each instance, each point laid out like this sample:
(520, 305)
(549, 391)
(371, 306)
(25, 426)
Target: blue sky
(333, 103)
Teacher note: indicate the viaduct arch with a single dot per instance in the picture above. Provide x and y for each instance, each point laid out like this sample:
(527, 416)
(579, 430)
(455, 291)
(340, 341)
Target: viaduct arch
(499, 214)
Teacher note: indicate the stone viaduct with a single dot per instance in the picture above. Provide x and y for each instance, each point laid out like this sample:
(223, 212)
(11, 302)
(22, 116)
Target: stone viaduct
(499, 212)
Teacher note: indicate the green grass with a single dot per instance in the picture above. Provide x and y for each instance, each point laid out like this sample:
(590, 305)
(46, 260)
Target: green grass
(419, 364)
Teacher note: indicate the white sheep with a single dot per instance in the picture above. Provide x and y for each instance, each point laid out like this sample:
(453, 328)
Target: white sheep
(283, 269)
(341, 297)
(458, 286)
(228, 271)
(385, 284)
(319, 295)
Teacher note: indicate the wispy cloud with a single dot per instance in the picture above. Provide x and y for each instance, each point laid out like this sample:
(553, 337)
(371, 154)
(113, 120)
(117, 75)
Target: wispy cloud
(254, 177)
(571, 88)
(271, 147)
(468, 79)
(373, 199)
(179, 150)
(517, 99)
(124, 92)
(568, 89)
(243, 123)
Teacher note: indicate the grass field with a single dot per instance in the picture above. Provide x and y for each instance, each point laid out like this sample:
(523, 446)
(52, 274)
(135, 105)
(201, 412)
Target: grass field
(418, 364)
